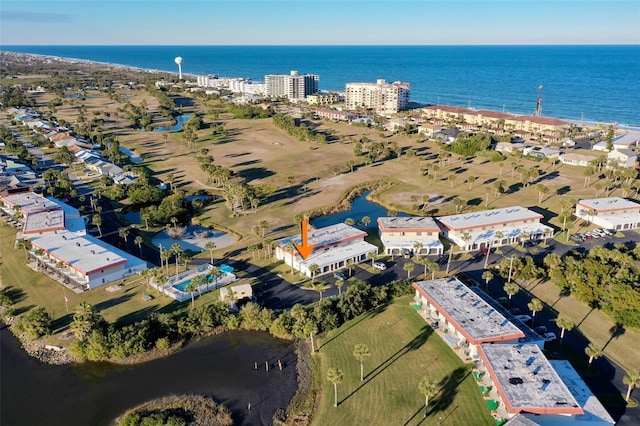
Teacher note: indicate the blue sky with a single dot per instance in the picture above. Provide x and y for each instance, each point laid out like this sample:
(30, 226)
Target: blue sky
(318, 22)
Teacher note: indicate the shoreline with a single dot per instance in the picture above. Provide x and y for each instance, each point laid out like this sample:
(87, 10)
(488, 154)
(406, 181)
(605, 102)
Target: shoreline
(72, 60)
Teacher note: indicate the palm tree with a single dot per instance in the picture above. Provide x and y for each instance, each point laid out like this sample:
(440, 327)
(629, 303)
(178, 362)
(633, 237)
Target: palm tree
(349, 221)
(138, 241)
(191, 288)
(176, 250)
(84, 320)
(466, 237)
(523, 236)
(350, 265)
(339, 284)
(429, 389)
(373, 255)
(263, 226)
(24, 244)
(433, 268)
(565, 324)
(361, 352)
(124, 234)
(164, 258)
(593, 352)
(536, 306)
(486, 276)
(335, 376)
(511, 289)
(409, 266)
(366, 220)
(96, 220)
(632, 380)
(314, 268)
(417, 246)
(211, 246)
(291, 248)
(320, 288)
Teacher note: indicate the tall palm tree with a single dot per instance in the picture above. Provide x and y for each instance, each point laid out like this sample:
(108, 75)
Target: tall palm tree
(314, 268)
(486, 276)
(373, 255)
(565, 324)
(176, 250)
(335, 376)
(124, 234)
(366, 220)
(361, 352)
(211, 246)
(96, 220)
(84, 320)
(138, 241)
(24, 244)
(417, 246)
(339, 284)
(320, 288)
(593, 352)
(350, 265)
(511, 289)
(291, 248)
(632, 380)
(429, 389)
(433, 268)
(409, 266)
(536, 306)
(191, 288)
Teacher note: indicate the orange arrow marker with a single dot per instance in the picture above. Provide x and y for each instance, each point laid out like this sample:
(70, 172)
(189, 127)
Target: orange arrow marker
(304, 249)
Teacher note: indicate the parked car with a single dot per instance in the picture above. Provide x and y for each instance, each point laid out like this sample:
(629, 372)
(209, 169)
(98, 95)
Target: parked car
(549, 337)
(339, 276)
(502, 300)
(515, 311)
(523, 318)
(379, 265)
(541, 329)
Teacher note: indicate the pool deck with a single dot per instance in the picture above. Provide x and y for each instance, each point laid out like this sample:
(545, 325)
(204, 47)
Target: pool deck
(169, 289)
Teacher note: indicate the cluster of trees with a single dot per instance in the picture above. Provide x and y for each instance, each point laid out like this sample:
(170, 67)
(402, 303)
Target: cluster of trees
(96, 339)
(171, 206)
(469, 144)
(248, 111)
(14, 146)
(299, 130)
(57, 183)
(607, 279)
(138, 115)
(14, 97)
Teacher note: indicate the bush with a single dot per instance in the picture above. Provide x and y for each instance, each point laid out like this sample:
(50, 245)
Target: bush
(35, 323)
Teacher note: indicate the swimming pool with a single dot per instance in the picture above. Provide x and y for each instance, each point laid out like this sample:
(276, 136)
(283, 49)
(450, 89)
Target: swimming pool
(183, 285)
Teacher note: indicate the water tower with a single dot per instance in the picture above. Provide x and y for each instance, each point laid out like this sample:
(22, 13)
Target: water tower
(179, 62)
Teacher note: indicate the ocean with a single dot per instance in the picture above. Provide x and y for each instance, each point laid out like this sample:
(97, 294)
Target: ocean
(580, 83)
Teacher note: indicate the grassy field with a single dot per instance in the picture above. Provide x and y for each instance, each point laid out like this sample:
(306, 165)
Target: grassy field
(403, 350)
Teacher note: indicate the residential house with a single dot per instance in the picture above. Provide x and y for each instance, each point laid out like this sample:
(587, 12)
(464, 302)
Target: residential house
(624, 158)
(583, 159)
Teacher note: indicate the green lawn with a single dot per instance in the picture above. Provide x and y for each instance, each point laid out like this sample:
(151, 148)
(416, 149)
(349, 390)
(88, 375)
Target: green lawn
(403, 350)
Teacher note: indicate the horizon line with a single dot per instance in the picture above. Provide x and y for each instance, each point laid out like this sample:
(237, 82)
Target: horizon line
(325, 45)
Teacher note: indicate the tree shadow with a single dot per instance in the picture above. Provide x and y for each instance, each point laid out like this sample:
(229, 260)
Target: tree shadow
(15, 294)
(111, 302)
(136, 316)
(449, 389)
(61, 323)
(563, 190)
(22, 310)
(615, 331)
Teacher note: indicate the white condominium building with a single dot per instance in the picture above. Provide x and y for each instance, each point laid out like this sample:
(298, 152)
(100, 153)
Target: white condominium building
(382, 97)
(292, 86)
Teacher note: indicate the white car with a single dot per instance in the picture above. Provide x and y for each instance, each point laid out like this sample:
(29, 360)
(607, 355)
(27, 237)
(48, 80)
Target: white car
(379, 265)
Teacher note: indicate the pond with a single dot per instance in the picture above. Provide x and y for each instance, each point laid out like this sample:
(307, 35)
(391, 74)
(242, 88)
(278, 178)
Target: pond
(359, 208)
(96, 393)
(195, 238)
(176, 127)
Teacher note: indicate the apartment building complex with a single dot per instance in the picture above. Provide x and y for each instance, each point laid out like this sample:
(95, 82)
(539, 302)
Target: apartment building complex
(610, 212)
(292, 86)
(417, 235)
(491, 228)
(384, 98)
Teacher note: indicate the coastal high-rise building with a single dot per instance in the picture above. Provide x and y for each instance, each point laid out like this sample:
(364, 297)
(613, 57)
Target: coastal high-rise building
(382, 97)
(293, 85)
